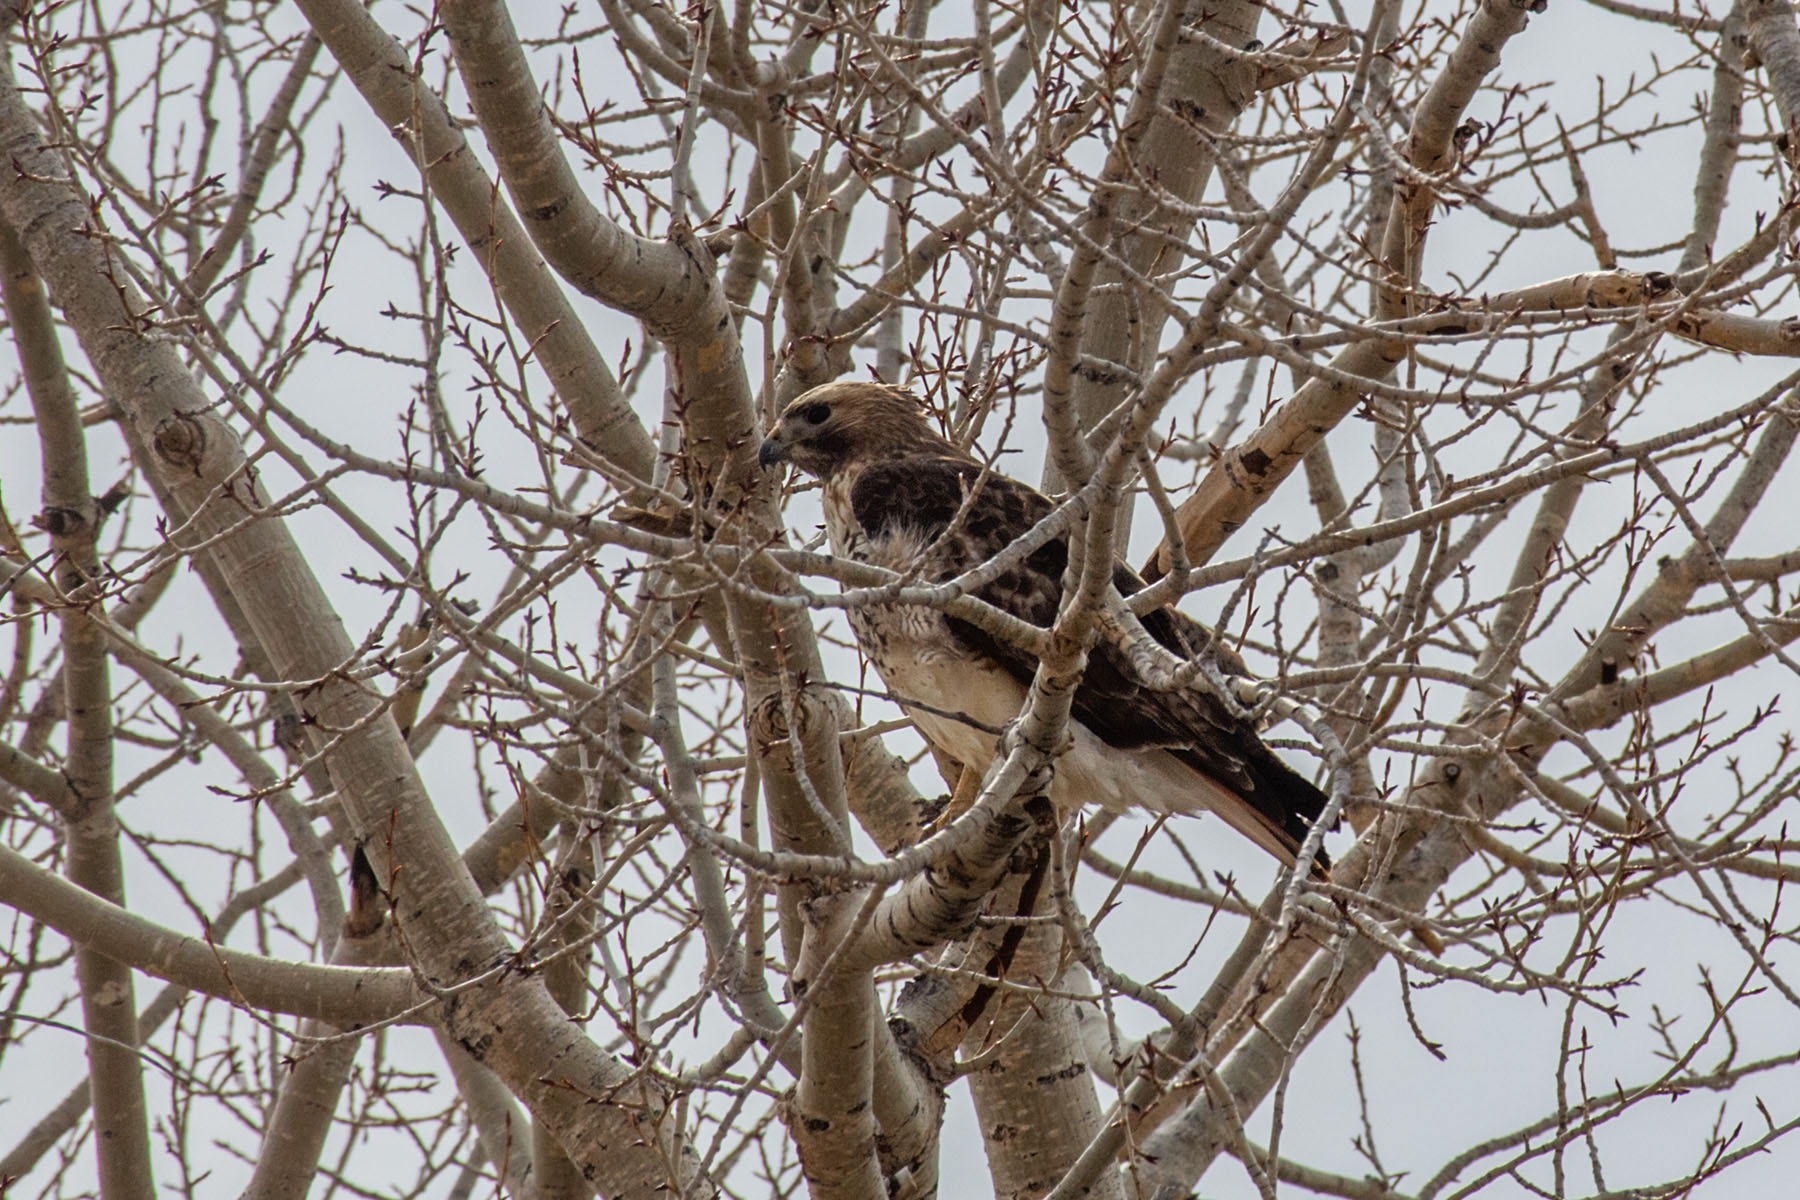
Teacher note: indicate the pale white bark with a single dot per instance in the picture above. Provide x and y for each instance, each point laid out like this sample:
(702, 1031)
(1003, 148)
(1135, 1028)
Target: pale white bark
(1776, 42)
(337, 995)
(58, 1121)
(301, 1118)
(1251, 471)
(1060, 200)
(502, 1128)
(514, 1027)
(1034, 1094)
(91, 852)
(432, 141)
(1418, 856)
(554, 1174)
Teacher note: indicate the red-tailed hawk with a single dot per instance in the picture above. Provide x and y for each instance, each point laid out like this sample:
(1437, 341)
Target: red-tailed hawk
(898, 495)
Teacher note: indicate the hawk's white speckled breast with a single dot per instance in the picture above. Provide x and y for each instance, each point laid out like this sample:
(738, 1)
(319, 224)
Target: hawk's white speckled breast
(911, 646)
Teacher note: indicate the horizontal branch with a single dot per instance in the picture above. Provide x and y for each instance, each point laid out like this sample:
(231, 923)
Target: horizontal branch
(342, 996)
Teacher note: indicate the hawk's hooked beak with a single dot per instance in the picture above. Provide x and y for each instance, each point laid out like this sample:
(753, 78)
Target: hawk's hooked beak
(771, 452)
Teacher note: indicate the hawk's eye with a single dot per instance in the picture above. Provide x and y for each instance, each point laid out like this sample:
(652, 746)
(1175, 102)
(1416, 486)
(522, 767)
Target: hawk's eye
(815, 414)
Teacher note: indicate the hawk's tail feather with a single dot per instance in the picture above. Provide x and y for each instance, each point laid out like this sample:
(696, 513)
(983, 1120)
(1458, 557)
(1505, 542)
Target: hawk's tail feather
(1289, 802)
(1275, 807)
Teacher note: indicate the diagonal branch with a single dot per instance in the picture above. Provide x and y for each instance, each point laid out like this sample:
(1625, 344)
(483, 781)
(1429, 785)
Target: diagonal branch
(512, 1024)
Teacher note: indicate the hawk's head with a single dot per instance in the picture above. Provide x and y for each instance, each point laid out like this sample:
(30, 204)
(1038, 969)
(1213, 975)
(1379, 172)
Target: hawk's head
(837, 423)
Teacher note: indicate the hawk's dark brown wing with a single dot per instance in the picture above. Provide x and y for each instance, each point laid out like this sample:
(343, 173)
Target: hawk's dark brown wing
(977, 515)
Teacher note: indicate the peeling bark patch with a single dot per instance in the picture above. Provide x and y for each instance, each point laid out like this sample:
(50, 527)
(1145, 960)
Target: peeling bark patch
(1069, 1072)
(546, 212)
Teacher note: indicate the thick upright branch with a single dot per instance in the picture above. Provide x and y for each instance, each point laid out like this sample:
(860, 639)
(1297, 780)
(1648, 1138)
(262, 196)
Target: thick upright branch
(386, 77)
(72, 518)
(511, 1024)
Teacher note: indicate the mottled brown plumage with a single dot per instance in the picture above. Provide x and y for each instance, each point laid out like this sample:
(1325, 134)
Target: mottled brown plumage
(898, 495)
